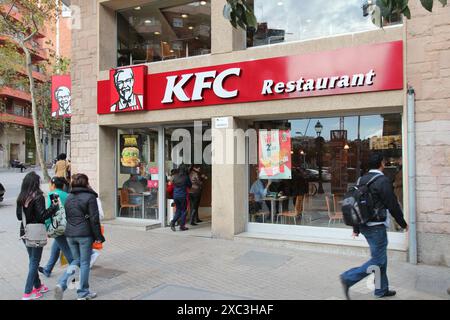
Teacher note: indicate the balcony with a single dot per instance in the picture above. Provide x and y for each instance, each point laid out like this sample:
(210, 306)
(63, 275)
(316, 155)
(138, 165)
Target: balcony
(15, 94)
(18, 16)
(38, 53)
(13, 118)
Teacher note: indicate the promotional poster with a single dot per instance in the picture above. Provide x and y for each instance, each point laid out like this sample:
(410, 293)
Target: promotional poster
(130, 153)
(275, 154)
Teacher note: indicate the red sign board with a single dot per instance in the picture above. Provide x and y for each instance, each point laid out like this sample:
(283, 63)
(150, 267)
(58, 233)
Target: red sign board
(377, 67)
(61, 96)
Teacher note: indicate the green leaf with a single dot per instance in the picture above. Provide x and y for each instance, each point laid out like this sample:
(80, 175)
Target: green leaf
(251, 19)
(406, 12)
(427, 4)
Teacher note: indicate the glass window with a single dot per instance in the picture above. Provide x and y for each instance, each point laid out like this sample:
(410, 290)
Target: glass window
(316, 161)
(293, 20)
(154, 33)
(138, 174)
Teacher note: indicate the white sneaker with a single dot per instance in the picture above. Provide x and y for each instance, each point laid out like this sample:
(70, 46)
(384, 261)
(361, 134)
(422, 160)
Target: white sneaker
(94, 257)
(59, 292)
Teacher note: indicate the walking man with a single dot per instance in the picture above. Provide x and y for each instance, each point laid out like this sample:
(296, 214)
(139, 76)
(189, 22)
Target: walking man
(385, 203)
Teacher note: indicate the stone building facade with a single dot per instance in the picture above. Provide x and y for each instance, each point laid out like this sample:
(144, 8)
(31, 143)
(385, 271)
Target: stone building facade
(426, 44)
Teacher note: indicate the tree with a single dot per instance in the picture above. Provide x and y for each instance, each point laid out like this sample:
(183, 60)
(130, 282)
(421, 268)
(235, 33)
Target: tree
(21, 32)
(240, 13)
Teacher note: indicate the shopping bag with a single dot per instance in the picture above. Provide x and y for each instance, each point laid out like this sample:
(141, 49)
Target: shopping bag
(99, 245)
(63, 260)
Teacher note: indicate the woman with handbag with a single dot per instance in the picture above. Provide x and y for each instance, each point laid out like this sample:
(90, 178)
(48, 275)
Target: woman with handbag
(60, 243)
(32, 212)
(82, 230)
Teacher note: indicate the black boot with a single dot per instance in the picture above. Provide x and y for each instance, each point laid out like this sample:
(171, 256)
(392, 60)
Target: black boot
(172, 226)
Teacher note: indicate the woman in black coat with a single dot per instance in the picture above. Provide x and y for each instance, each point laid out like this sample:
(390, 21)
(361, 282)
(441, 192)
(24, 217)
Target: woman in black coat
(31, 203)
(82, 230)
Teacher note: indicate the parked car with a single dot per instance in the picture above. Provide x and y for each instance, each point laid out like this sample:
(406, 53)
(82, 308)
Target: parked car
(2, 192)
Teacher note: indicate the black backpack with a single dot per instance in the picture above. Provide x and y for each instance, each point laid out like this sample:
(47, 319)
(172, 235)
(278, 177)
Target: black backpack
(358, 206)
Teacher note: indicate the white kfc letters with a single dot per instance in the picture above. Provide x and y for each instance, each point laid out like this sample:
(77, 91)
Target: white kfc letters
(201, 83)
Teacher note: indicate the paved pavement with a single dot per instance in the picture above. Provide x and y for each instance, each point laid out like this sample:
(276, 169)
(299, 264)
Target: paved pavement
(161, 264)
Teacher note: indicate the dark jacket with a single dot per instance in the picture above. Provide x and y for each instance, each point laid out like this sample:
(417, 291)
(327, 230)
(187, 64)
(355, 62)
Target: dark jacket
(299, 184)
(82, 214)
(384, 197)
(35, 212)
(197, 182)
(181, 184)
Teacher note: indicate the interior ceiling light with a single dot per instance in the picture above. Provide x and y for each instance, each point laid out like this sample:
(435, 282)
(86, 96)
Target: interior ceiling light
(184, 15)
(157, 33)
(191, 27)
(148, 21)
(203, 3)
(137, 8)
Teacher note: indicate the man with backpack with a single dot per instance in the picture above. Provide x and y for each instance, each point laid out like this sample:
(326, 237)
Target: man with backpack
(368, 212)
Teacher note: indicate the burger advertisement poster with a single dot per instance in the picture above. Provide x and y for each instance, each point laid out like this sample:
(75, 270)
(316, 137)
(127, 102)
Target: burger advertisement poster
(130, 153)
(275, 154)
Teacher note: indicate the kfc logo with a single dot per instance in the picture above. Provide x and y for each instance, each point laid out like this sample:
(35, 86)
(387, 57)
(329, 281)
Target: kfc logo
(62, 96)
(62, 99)
(124, 82)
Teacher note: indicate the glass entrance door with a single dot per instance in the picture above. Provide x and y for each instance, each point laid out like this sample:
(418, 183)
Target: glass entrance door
(138, 174)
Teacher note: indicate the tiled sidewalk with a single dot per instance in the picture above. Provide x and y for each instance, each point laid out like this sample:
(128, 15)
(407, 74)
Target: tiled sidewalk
(160, 264)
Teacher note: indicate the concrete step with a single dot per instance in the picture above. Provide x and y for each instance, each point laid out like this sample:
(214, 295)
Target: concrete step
(306, 245)
(133, 225)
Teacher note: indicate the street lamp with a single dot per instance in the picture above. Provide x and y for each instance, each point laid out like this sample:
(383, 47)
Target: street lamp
(319, 141)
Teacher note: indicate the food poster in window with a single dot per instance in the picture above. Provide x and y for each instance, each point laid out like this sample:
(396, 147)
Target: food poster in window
(275, 154)
(130, 153)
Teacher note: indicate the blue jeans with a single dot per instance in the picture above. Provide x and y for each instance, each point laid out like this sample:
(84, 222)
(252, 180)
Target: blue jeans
(34, 256)
(181, 205)
(376, 236)
(81, 248)
(59, 244)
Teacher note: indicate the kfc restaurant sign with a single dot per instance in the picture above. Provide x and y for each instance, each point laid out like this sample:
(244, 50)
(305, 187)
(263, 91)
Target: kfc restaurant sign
(370, 68)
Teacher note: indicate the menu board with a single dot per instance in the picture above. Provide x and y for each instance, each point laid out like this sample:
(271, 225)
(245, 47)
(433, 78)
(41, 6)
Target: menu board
(130, 153)
(275, 154)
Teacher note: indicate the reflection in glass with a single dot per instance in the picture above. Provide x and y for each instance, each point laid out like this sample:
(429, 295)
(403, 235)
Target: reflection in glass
(293, 20)
(336, 163)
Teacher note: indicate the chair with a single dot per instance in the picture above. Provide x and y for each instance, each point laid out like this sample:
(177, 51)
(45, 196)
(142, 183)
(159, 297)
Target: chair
(333, 216)
(165, 51)
(306, 208)
(290, 214)
(125, 202)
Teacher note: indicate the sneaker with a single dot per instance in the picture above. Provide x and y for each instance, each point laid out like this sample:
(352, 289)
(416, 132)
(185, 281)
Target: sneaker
(59, 292)
(89, 296)
(32, 296)
(41, 289)
(193, 224)
(45, 273)
(387, 294)
(345, 287)
(184, 228)
(199, 221)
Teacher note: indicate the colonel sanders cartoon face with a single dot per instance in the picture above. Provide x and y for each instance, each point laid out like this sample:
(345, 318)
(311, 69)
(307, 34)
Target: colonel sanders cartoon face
(62, 96)
(124, 80)
(124, 83)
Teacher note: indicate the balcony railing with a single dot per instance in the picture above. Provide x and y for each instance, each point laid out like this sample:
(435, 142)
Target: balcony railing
(15, 93)
(12, 118)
